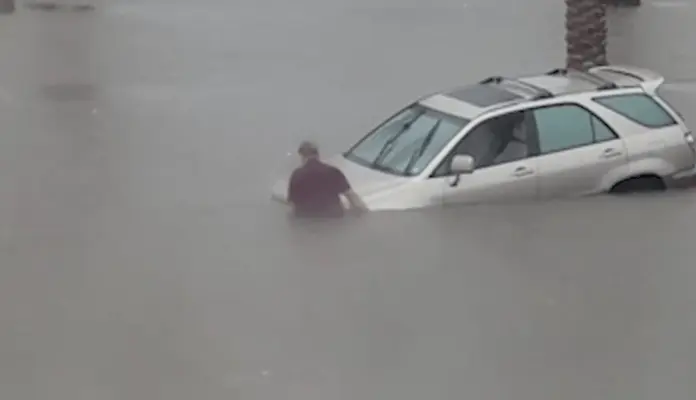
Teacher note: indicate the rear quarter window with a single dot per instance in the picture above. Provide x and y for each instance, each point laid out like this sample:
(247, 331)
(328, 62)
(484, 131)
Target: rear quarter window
(639, 108)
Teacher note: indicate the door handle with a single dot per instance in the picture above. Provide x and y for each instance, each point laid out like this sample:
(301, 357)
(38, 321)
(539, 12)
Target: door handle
(522, 171)
(610, 153)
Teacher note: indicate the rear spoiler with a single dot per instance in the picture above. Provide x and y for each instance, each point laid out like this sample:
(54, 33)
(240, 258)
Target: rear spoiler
(626, 74)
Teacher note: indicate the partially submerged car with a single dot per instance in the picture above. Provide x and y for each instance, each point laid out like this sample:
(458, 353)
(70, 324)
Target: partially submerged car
(562, 133)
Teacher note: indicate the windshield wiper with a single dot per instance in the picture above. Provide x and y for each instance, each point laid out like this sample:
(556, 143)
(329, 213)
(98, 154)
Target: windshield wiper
(386, 168)
(387, 145)
(420, 150)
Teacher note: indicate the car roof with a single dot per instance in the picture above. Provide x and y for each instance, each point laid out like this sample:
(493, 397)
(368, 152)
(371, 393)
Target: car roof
(498, 92)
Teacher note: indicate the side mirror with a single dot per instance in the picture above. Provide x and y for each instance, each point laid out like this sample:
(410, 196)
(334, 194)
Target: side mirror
(461, 164)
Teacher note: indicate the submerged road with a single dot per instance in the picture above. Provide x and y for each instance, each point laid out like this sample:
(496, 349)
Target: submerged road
(141, 259)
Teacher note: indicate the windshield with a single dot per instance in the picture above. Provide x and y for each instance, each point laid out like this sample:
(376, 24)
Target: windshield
(406, 143)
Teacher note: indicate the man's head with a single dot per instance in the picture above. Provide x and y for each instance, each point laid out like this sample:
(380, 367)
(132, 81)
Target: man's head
(308, 151)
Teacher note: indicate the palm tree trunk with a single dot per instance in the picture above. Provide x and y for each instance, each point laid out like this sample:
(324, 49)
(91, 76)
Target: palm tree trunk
(586, 33)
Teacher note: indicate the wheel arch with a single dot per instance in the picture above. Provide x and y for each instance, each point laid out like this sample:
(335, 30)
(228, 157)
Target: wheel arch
(662, 185)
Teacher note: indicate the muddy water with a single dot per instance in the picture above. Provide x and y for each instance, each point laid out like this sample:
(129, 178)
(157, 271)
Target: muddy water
(141, 259)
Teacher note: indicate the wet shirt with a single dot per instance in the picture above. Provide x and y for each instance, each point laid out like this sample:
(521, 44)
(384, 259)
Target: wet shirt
(314, 190)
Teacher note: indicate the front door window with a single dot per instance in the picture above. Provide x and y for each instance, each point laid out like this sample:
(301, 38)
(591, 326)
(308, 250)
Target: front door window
(499, 140)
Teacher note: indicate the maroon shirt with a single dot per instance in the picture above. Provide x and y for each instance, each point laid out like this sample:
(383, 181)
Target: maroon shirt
(314, 190)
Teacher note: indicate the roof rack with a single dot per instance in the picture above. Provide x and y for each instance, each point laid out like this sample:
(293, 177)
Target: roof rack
(538, 92)
(603, 84)
(624, 72)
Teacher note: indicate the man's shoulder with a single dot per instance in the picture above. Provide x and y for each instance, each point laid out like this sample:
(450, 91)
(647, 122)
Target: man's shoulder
(299, 171)
(333, 169)
(321, 165)
(317, 168)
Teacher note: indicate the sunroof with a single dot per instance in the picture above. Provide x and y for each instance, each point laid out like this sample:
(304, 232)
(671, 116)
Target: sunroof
(483, 95)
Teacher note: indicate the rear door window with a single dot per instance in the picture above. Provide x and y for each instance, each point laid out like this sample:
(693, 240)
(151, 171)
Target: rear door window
(639, 108)
(567, 126)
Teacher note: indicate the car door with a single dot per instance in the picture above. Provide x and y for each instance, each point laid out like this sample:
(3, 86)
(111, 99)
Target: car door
(578, 152)
(505, 163)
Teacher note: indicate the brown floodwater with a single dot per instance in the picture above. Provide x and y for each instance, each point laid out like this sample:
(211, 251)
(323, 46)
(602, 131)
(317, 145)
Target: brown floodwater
(140, 256)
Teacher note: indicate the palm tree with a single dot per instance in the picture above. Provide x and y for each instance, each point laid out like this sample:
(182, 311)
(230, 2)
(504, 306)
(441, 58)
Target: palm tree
(586, 33)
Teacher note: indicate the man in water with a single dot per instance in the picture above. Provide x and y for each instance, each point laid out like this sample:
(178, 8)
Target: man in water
(315, 187)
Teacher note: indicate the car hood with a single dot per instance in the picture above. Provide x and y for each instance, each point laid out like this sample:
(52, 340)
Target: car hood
(364, 181)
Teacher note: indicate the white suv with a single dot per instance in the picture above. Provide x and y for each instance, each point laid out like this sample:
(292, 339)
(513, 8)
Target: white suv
(562, 133)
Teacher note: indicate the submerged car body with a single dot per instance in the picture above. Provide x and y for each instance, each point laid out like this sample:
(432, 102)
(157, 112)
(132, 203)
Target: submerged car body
(558, 134)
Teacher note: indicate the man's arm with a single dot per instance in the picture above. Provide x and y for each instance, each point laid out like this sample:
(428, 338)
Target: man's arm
(356, 203)
(292, 191)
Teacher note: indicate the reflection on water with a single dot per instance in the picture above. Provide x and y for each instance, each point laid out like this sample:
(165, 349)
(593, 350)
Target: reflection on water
(70, 92)
(520, 301)
(523, 301)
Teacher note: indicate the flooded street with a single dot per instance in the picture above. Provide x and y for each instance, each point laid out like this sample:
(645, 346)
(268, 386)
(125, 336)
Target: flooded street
(141, 257)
